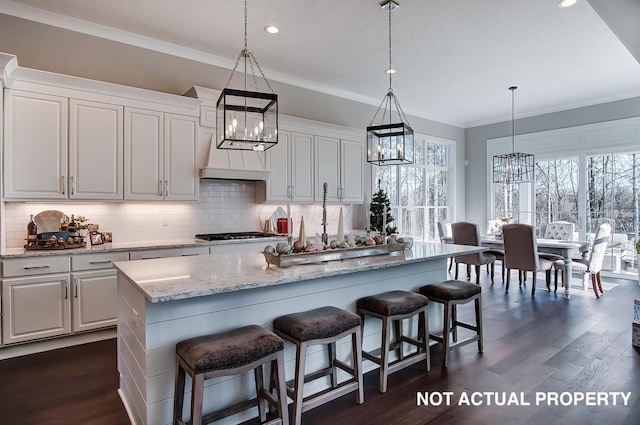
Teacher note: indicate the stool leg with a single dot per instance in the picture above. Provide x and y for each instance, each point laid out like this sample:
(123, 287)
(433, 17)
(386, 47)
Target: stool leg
(257, 373)
(301, 356)
(197, 394)
(332, 364)
(281, 387)
(479, 323)
(356, 355)
(445, 334)
(454, 322)
(397, 324)
(456, 274)
(508, 280)
(178, 398)
(384, 354)
(477, 275)
(423, 330)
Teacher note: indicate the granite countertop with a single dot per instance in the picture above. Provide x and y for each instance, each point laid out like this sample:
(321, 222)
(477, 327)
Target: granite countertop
(177, 278)
(131, 246)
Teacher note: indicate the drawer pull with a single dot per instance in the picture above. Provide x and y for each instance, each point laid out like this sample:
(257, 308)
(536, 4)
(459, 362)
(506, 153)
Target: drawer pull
(150, 258)
(189, 255)
(100, 262)
(46, 266)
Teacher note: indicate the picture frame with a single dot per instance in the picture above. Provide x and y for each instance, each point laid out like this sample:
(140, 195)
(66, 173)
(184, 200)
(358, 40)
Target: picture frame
(96, 238)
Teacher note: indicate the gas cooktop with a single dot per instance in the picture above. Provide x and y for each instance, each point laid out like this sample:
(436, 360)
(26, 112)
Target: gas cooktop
(236, 235)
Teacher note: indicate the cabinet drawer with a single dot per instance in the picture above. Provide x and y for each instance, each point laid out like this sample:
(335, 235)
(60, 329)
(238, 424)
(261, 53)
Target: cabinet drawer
(171, 252)
(97, 261)
(34, 266)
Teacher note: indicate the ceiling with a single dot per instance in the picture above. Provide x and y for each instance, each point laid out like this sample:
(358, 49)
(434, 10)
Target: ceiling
(454, 59)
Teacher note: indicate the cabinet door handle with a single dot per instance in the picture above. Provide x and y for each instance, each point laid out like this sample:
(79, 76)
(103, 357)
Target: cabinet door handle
(66, 290)
(73, 185)
(100, 262)
(166, 188)
(64, 183)
(76, 287)
(150, 258)
(36, 267)
(160, 187)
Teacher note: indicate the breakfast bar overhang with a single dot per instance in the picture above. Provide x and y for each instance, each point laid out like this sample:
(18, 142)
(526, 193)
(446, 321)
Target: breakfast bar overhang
(163, 301)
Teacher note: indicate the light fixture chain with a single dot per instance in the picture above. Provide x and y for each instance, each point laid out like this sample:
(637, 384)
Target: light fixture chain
(261, 73)
(233, 71)
(380, 107)
(401, 114)
(245, 24)
(389, 70)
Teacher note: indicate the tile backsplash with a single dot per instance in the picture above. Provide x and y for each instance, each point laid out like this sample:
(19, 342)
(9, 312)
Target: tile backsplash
(224, 206)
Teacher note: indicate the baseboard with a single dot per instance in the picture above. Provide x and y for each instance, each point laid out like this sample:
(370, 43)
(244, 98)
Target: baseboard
(11, 351)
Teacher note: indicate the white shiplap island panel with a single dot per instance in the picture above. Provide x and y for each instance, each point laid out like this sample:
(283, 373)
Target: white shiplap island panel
(163, 301)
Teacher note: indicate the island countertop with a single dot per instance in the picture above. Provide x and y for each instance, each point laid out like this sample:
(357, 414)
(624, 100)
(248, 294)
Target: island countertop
(169, 279)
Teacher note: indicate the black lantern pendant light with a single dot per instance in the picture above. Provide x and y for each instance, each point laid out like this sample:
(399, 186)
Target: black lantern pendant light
(247, 120)
(389, 142)
(514, 167)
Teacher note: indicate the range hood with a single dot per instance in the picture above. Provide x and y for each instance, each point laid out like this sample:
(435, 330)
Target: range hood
(233, 164)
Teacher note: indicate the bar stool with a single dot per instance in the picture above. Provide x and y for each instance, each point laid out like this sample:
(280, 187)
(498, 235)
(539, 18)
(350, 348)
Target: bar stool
(230, 353)
(452, 293)
(324, 326)
(393, 307)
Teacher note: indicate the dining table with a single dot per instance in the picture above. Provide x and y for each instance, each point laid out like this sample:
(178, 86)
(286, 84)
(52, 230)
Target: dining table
(564, 248)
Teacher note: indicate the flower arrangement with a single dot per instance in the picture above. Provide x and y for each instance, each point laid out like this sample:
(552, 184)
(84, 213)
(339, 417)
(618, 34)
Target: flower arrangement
(80, 222)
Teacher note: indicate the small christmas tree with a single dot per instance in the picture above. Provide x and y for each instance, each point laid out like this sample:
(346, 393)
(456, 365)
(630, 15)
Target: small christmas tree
(378, 202)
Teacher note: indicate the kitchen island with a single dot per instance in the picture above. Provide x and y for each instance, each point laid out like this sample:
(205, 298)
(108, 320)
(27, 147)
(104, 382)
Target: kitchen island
(163, 301)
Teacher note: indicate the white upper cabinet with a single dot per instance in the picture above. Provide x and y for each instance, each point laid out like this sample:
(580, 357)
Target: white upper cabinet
(51, 153)
(95, 150)
(351, 171)
(160, 156)
(290, 165)
(180, 153)
(35, 146)
(339, 163)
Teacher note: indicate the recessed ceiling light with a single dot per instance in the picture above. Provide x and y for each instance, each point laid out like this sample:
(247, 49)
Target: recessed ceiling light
(390, 71)
(566, 3)
(271, 29)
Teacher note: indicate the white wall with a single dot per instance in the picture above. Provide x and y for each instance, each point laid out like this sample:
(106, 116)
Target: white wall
(224, 206)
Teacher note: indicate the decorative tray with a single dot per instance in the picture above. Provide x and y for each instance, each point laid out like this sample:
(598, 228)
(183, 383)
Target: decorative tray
(286, 260)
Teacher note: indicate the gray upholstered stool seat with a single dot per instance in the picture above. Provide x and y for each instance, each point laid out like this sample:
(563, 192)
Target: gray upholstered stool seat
(450, 294)
(231, 353)
(322, 326)
(392, 308)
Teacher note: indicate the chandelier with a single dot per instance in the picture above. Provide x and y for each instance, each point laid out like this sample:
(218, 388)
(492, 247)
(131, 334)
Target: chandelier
(514, 167)
(389, 142)
(247, 120)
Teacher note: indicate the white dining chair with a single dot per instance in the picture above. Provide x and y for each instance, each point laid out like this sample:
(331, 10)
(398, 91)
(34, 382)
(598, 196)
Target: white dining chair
(593, 265)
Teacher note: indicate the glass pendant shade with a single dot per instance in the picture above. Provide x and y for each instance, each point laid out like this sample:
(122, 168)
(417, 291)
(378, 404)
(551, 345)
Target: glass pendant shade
(514, 167)
(246, 120)
(390, 144)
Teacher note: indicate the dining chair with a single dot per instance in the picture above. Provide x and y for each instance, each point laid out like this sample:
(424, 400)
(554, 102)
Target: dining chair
(444, 232)
(464, 233)
(560, 230)
(521, 253)
(593, 265)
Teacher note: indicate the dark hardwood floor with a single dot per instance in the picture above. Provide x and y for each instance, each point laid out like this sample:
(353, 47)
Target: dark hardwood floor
(542, 344)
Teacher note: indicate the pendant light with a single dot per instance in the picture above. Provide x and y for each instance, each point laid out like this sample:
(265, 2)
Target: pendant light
(389, 142)
(247, 120)
(514, 167)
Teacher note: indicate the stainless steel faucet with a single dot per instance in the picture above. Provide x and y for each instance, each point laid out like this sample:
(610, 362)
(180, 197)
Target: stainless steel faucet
(325, 237)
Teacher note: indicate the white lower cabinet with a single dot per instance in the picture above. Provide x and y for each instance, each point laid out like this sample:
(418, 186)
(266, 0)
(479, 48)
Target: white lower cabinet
(95, 299)
(35, 307)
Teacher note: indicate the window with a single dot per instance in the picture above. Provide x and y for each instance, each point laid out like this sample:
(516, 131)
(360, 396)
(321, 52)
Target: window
(419, 193)
(556, 192)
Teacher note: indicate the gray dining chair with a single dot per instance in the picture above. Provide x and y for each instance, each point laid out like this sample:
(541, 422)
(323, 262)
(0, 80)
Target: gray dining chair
(593, 265)
(521, 253)
(464, 233)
